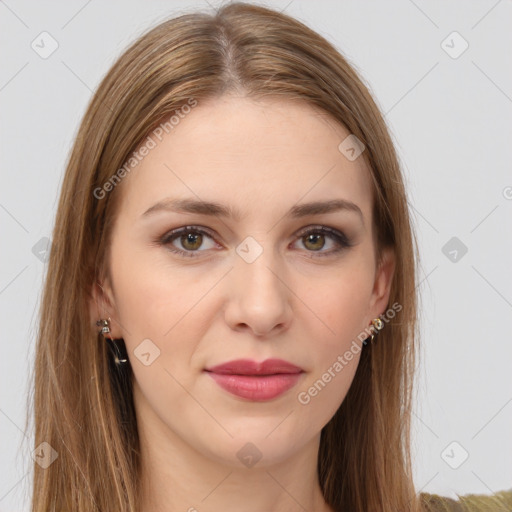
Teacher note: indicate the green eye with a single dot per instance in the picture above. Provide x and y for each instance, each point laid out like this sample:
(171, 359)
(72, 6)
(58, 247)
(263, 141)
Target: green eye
(190, 238)
(190, 241)
(317, 241)
(314, 239)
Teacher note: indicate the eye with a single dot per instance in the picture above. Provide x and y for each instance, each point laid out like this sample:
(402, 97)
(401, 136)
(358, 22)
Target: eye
(190, 238)
(314, 240)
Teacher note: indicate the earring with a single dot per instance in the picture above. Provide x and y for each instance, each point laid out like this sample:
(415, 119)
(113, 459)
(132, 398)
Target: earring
(105, 326)
(378, 325)
(119, 357)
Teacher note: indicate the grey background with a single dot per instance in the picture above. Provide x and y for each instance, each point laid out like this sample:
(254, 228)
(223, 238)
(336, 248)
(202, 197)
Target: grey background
(451, 119)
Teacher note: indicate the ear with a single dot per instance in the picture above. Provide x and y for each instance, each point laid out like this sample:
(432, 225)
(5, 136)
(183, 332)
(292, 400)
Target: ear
(382, 284)
(102, 306)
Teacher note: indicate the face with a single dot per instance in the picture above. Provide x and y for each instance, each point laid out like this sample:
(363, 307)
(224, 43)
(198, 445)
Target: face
(255, 275)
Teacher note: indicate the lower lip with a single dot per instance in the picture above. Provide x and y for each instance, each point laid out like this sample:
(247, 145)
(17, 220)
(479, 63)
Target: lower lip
(256, 388)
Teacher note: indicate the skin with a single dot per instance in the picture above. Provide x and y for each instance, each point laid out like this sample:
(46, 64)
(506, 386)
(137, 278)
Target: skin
(261, 158)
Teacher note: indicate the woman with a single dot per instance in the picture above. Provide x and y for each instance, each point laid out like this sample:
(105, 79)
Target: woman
(229, 315)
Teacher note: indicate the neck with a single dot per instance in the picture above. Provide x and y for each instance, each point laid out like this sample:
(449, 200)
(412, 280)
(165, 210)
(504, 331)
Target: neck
(178, 478)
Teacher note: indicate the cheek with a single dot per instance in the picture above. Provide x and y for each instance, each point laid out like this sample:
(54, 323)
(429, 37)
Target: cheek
(173, 309)
(341, 300)
(152, 296)
(334, 362)
(343, 311)
(341, 303)
(335, 355)
(157, 302)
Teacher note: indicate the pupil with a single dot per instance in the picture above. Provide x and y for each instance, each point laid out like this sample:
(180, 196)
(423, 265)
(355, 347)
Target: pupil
(191, 239)
(314, 238)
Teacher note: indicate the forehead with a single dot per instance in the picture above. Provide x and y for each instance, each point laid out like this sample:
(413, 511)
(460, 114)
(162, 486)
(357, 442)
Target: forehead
(254, 155)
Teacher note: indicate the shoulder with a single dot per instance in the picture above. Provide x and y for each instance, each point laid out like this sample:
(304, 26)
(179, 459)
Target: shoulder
(499, 502)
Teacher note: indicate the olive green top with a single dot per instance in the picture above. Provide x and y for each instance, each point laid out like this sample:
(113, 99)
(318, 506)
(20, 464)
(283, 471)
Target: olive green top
(499, 502)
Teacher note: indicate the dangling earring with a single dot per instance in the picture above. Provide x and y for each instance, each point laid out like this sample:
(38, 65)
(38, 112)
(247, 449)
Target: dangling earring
(119, 358)
(378, 325)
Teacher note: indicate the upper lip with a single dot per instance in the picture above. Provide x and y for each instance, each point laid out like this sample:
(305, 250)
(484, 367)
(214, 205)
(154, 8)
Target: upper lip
(250, 367)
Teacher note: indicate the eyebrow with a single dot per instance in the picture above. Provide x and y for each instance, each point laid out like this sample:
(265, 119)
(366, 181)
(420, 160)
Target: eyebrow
(216, 209)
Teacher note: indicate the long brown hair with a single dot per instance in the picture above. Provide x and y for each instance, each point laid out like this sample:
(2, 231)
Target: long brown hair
(83, 408)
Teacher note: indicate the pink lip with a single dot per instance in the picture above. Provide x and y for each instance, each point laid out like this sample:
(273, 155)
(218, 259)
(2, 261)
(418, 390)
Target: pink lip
(256, 381)
(250, 367)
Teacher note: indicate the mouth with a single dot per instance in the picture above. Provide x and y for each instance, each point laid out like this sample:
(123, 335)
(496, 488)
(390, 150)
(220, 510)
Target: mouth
(255, 381)
(250, 367)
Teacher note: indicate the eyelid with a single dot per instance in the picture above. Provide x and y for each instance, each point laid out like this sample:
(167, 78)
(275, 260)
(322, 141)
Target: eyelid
(168, 237)
(336, 233)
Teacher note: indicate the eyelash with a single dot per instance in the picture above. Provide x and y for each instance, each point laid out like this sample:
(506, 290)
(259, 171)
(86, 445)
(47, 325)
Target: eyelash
(339, 237)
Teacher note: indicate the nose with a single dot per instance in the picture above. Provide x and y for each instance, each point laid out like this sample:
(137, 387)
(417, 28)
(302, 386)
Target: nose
(258, 297)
